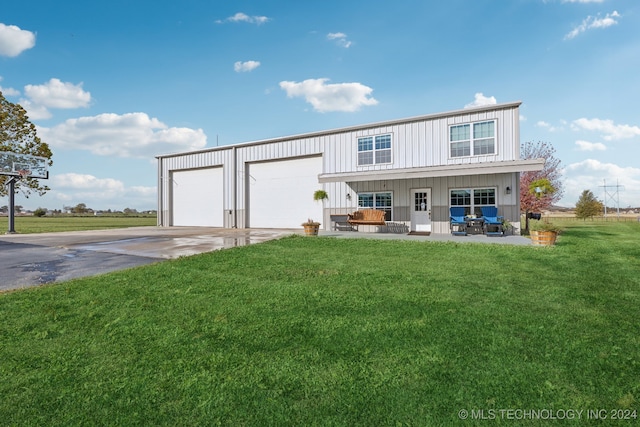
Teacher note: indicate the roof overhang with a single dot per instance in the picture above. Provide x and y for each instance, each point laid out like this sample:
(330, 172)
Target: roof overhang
(436, 171)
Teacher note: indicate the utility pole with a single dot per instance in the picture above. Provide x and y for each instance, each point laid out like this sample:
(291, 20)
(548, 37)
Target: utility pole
(612, 192)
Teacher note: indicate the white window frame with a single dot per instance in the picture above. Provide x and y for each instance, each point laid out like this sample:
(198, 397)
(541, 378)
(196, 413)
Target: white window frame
(376, 153)
(375, 205)
(473, 208)
(473, 139)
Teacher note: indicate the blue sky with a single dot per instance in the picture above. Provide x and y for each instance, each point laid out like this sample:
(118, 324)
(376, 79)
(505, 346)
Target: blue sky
(112, 84)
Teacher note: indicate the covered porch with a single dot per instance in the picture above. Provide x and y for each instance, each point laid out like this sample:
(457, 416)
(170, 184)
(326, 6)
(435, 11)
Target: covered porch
(419, 199)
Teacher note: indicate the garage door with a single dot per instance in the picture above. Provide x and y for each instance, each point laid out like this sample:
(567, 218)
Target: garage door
(281, 193)
(197, 197)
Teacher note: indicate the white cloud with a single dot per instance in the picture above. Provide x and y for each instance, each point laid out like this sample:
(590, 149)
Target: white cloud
(8, 91)
(53, 94)
(127, 135)
(242, 67)
(86, 182)
(34, 111)
(242, 17)
(547, 126)
(481, 100)
(591, 175)
(14, 41)
(590, 146)
(100, 193)
(325, 97)
(340, 39)
(58, 94)
(607, 128)
(592, 22)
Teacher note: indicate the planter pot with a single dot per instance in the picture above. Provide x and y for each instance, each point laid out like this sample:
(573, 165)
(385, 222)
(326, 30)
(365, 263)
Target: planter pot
(311, 230)
(543, 238)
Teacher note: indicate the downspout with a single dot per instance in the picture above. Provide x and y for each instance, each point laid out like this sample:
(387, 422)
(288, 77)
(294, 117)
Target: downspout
(235, 187)
(160, 189)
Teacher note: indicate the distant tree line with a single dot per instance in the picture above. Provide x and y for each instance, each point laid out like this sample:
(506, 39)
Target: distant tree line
(79, 209)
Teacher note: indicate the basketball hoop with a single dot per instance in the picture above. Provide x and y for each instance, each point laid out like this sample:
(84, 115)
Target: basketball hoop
(24, 173)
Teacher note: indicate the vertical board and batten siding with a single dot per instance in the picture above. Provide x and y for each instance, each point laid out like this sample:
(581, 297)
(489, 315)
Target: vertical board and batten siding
(416, 142)
(424, 143)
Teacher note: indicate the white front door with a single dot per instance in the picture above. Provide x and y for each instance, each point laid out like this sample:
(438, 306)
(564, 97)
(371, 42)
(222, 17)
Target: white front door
(421, 209)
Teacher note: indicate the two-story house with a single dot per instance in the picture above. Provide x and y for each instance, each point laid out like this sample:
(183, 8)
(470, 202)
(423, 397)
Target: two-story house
(414, 169)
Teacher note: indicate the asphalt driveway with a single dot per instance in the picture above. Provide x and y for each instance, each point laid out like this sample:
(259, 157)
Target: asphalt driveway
(35, 259)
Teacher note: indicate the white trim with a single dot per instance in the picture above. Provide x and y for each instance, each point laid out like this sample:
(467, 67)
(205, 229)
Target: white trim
(374, 151)
(436, 171)
(373, 193)
(472, 139)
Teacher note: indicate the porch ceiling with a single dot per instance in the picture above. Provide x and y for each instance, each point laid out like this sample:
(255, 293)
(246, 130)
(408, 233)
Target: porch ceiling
(435, 171)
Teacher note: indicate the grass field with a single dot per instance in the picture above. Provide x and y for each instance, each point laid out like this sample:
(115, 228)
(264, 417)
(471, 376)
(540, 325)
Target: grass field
(322, 331)
(32, 224)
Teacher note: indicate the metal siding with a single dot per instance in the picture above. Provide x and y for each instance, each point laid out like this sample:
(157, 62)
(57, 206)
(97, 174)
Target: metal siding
(417, 142)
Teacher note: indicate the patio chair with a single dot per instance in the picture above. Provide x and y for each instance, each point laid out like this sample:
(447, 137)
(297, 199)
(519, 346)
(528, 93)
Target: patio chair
(492, 222)
(457, 222)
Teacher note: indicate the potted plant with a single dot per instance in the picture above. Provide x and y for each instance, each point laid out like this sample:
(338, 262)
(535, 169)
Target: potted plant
(544, 233)
(311, 227)
(507, 228)
(320, 195)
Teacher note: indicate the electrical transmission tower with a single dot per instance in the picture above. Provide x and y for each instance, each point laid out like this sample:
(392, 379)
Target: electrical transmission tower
(612, 192)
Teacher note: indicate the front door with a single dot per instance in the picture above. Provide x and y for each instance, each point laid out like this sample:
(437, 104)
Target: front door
(421, 209)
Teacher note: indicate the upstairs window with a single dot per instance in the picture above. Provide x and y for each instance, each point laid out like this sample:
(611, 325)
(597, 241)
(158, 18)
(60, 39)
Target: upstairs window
(373, 150)
(472, 139)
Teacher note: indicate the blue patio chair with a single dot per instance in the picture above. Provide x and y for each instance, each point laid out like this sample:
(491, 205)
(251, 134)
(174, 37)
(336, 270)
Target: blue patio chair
(457, 221)
(492, 222)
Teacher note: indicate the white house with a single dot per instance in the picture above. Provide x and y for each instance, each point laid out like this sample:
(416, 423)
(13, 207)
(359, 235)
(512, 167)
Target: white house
(414, 169)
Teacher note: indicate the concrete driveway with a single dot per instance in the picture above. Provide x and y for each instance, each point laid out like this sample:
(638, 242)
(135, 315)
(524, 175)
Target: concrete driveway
(35, 259)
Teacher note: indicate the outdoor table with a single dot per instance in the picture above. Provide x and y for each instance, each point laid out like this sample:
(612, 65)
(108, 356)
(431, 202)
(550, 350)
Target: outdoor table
(475, 225)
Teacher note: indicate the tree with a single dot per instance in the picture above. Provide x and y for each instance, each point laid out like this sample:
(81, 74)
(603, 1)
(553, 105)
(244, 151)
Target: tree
(80, 208)
(19, 135)
(588, 205)
(40, 212)
(530, 201)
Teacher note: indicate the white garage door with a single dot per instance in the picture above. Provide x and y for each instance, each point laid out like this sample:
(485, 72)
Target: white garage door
(197, 197)
(281, 193)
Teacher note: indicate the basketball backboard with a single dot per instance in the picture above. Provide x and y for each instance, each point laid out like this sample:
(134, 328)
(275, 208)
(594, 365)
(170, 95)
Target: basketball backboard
(24, 165)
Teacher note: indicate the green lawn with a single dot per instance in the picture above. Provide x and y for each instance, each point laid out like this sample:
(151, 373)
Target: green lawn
(32, 224)
(322, 331)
